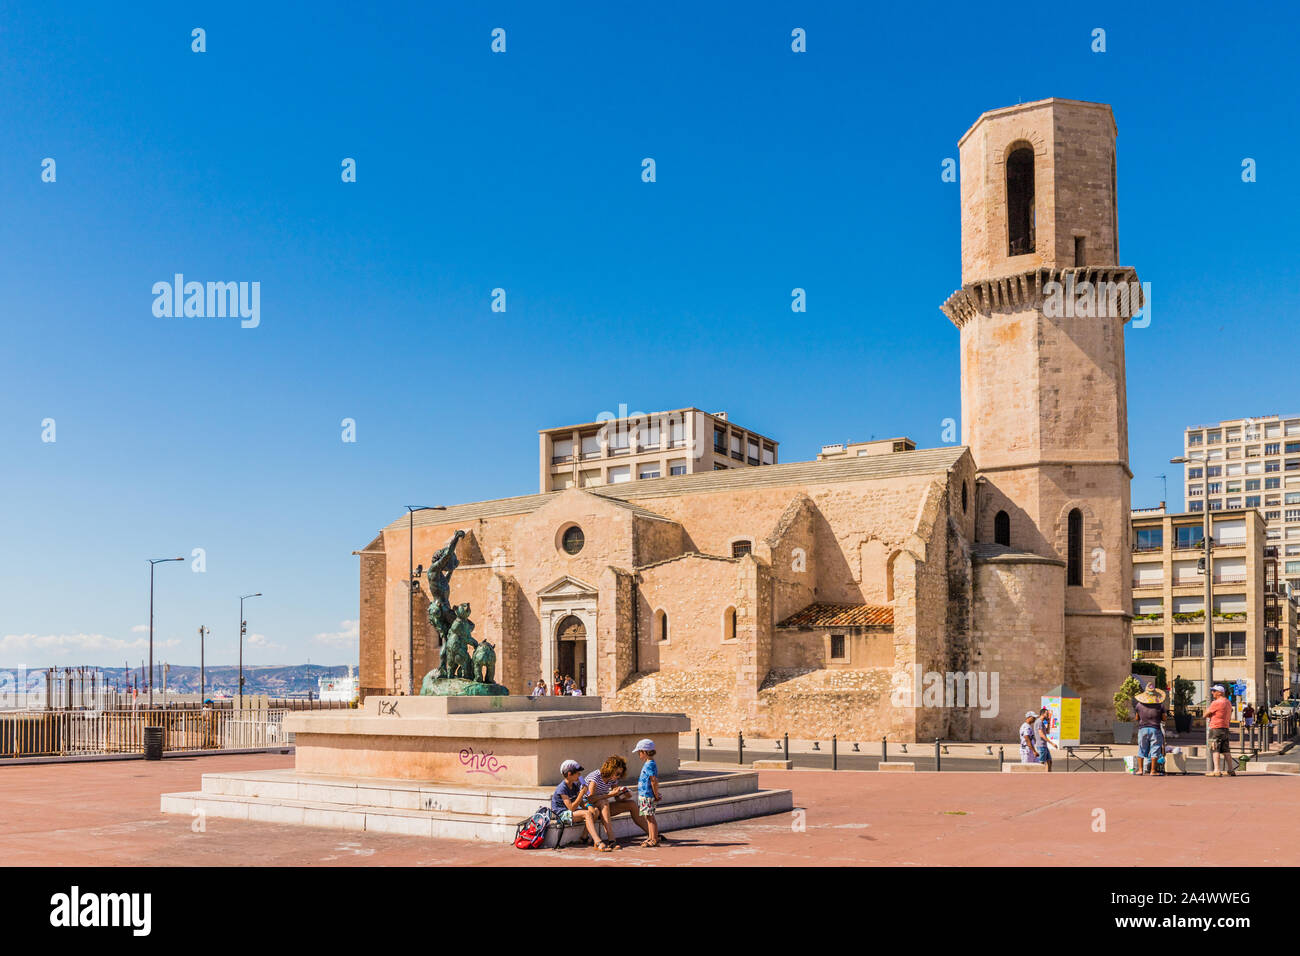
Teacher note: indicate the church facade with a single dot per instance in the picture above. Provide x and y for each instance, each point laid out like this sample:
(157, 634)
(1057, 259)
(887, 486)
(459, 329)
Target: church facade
(920, 594)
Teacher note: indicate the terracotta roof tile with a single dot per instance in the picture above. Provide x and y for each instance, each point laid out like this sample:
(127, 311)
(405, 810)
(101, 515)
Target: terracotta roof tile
(842, 615)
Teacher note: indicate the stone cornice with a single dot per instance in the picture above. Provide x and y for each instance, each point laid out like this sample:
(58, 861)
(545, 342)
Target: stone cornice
(1024, 290)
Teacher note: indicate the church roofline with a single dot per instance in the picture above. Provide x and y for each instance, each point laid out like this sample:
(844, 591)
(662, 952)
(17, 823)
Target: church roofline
(926, 461)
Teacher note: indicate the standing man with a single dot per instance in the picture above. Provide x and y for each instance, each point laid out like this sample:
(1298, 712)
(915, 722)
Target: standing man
(1041, 738)
(1217, 716)
(1151, 735)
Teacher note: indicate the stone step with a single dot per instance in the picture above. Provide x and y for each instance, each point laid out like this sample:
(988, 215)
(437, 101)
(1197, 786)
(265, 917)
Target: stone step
(444, 824)
(280, 785)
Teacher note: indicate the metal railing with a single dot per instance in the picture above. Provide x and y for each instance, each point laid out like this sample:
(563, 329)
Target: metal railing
(93, 733)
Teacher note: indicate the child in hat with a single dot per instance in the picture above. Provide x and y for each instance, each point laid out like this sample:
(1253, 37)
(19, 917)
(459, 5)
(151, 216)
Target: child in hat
(647, 790)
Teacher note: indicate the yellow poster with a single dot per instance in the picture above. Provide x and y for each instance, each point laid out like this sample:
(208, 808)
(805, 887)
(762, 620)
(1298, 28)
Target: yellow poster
(1071, 707)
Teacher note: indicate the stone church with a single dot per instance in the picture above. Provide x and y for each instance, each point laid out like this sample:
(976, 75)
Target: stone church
(823, 597)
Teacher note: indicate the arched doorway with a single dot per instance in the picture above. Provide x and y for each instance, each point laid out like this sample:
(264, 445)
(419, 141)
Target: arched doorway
(571, 650)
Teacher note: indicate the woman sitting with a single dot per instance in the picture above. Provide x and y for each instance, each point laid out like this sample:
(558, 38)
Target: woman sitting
(609, 801)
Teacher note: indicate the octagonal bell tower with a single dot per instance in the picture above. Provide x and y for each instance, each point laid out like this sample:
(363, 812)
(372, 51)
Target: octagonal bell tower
(1041, 312)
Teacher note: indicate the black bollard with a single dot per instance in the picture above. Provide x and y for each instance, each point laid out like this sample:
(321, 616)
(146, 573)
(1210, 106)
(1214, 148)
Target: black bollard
(740, 748)
(835, 752)
(937, 765)
(884, 750)
(785, 746)
(1002, 758)
(697, 746)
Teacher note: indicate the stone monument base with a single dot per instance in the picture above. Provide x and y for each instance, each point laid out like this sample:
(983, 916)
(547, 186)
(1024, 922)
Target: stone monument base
(476, 741)
(467, 768)
(691, 798)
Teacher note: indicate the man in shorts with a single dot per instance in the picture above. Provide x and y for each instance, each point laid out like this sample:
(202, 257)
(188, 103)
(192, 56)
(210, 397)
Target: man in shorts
(1217, 717)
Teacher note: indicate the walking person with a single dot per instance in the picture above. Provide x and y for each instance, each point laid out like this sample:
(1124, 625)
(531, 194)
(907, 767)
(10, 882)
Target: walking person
(1151, 715)
(1217, 717)
(1042, 740)
(1028, 753)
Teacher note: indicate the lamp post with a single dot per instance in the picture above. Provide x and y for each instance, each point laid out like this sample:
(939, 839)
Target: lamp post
(152, 562)
(1208, 543)
(242, 626)
(203, 631)
(413, 583)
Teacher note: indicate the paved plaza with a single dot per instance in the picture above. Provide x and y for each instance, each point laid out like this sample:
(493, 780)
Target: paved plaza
(107, 813)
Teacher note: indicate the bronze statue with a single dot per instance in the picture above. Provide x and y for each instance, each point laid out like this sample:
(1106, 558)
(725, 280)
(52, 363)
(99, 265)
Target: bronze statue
(465, 666)
(485, 663)
(456, 658)
(441, 565)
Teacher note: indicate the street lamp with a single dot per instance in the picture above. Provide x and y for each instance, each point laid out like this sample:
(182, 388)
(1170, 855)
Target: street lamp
(413, 585)
(1209, 591)
(242, 627)
(152, 562)
(203, 631)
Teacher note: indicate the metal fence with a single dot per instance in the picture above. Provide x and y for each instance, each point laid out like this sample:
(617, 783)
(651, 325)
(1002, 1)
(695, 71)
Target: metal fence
(91, 733)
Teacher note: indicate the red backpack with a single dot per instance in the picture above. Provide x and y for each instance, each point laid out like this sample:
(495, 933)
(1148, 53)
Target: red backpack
(531, 834)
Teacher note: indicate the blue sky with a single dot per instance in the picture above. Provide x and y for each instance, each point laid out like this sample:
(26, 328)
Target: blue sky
(522, 171)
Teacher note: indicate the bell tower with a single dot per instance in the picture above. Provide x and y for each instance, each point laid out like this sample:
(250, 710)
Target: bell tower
(1041, 312)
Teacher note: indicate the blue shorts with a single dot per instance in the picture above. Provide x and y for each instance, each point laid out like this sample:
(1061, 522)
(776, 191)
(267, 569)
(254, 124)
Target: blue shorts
(1151, 743)
(1044, 755)
(565, 817)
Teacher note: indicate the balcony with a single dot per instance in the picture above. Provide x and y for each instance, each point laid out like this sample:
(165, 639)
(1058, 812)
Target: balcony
(561, 459)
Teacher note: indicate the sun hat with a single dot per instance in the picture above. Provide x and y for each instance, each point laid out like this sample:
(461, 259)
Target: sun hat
(1152, 695)
(1219, 688)
(1031, 713)
(645, 743)
(570, 766)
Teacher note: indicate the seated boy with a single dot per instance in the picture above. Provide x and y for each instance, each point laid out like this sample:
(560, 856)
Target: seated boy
(568, 799)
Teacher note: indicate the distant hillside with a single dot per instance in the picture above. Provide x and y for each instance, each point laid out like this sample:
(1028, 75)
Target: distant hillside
(278, 680)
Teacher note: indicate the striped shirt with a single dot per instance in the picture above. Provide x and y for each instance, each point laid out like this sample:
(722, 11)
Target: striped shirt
(597, 785)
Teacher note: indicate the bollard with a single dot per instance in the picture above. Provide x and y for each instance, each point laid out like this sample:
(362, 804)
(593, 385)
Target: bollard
(785, 746)
(835, 752)
(1002, 756)
(697, 743)
(740, 748)
(884, 750)
(937, 758)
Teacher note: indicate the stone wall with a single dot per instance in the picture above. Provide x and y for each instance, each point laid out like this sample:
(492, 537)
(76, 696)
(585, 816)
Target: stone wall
(1018, 633)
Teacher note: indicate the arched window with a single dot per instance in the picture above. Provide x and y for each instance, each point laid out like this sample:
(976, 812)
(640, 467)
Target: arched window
(1074, 549)
(1020, 201)
(1002, 529)
(661, 626)
(729, 624)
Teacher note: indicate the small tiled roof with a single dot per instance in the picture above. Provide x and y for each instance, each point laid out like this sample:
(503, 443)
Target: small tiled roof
(842, 615)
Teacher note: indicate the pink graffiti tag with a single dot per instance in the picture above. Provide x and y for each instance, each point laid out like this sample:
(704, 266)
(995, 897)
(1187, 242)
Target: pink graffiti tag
(481, 763)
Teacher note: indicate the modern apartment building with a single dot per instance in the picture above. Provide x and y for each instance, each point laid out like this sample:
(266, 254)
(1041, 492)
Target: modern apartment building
(1250, 463)
(1253, 613)
(860, 449)
(651, 445)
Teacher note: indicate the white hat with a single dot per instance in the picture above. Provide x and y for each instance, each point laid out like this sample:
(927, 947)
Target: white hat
(569, 766)
(1031, 713)
(645, 743)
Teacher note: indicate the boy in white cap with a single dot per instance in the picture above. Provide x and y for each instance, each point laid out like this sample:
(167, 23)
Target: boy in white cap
(647, 790)
(567, 802)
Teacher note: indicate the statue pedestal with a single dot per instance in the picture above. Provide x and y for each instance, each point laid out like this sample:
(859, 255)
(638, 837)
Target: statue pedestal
(499, 741)
(467, 768)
